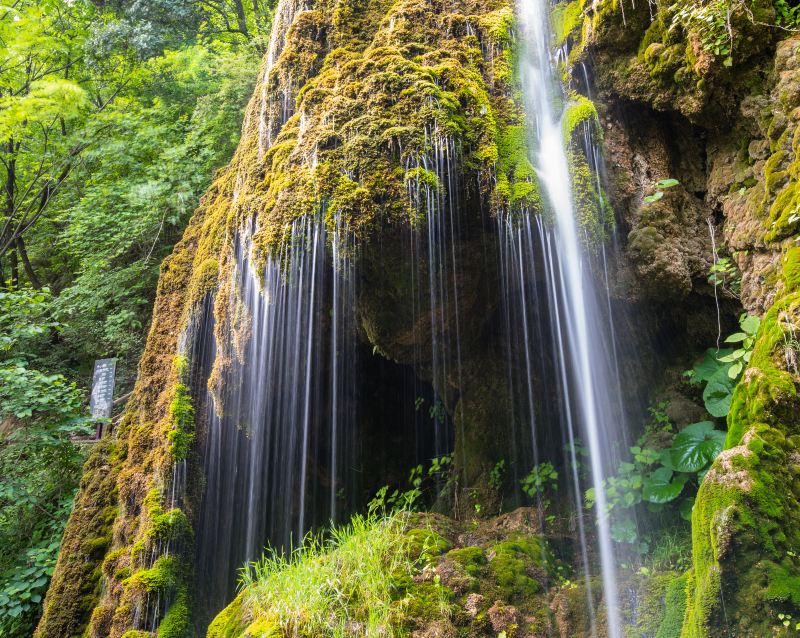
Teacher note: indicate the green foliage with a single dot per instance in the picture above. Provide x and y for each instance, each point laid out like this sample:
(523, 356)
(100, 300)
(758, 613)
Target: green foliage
(787, 14)
(696, 446)
(658, 476)
(39, 464)
(711, 21)
(541, 479)
(497, 475)
(720, 370)
(421, 482)
(113, 119)
(740, 357)
(660, 188)
(725, 274)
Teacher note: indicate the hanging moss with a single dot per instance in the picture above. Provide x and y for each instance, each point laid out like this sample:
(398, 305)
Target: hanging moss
(181, 434)
(566, 18)
(580, 110)
(176, 622)
(161, 577)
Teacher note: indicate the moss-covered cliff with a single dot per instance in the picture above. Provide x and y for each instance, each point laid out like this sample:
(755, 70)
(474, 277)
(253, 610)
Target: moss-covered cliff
(716, 93)
(356, 104)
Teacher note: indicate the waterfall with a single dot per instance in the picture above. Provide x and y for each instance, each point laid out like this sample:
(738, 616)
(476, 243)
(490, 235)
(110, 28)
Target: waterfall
(581, 332)
(278, 441)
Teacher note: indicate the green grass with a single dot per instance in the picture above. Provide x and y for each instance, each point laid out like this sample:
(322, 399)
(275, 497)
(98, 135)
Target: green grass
(358, 577)
(672, 550)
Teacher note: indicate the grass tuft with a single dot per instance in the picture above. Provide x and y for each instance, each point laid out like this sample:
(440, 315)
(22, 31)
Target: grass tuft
(357, 578)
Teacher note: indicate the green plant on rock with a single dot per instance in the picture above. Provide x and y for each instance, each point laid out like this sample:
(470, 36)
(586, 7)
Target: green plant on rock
(659, 476)
(543, 478)
(541, 481)
(787, 14)
(721, 369)
(661, 186)
(786, 621)
(361, 575)
(421, 481)
(181, 434)
(497, 475)
(725, 274)
(740, 357)
(712, 21)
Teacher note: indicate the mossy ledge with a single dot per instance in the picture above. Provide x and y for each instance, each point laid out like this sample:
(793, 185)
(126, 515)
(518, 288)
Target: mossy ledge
(437, 577)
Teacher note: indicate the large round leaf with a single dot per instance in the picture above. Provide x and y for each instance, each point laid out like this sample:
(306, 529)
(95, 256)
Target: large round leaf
(696, 446)
(718, 392)
(709, 365)
(662, 487)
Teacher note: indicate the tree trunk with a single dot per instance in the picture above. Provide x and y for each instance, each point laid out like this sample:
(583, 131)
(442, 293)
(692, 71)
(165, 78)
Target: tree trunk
(26, 264)
(241, 18)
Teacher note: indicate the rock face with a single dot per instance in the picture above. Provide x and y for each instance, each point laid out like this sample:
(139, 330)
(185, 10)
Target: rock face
(723, 125)
(388, 117)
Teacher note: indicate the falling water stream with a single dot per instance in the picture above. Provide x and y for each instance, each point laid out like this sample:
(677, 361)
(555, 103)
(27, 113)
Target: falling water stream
(280, 419)
(581, 327)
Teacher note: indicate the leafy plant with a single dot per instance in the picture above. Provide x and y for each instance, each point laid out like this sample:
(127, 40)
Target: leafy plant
(720, 370)
(695, 447)
(541, 479)
(725, 274)
(497, 475)
(787, 14)
(437, 412)
(661, 186)
(740, 357)
(388, 500)
(659, 477)
(711, 22)
(786, 621)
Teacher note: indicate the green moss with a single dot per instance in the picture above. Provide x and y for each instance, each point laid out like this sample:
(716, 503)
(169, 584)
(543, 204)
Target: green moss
(176, 623)
(580, 110)
(498, 24)
(783, 583)
(674, 608)
(426, 601)
(472, 559)
(567, 17)
(170, 525)
(137, 633)
(427, 544)
(517, 184)
(96, 547)
(181, 434)
(594, 215)
(263, 629)
(161, 577)
(514, 563)
(231, 621)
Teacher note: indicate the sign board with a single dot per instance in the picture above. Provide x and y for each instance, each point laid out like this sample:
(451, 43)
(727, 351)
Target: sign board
(103, 387)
